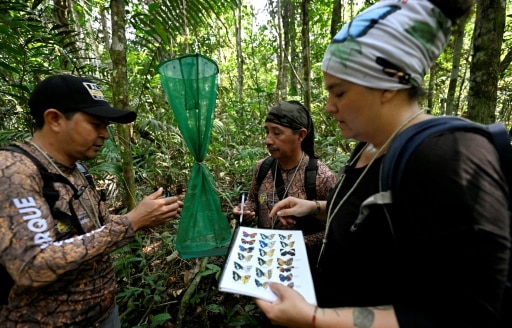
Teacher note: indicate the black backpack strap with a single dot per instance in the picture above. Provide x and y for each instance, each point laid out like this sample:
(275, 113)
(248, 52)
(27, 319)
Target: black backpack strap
(279, 183)
(406, 142)
(263, 170)
(409, 139)
(50, 194)
(402, 146)
(5, 286)
(83, 169)
(501, 141)
(310, 178)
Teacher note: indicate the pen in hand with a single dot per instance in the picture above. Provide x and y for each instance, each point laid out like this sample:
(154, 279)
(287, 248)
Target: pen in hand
(242, 208)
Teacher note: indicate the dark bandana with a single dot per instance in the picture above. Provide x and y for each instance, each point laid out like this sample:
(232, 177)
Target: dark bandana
(292, 114)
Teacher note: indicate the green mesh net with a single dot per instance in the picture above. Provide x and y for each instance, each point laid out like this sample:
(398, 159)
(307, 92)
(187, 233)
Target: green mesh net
(190, 83)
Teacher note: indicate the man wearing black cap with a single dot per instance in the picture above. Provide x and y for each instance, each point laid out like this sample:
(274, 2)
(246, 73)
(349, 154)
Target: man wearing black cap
(58, 257)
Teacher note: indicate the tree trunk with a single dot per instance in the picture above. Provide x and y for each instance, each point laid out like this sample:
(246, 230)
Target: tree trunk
(120, 96)
(306, 53)
(336, 18)
(280, 49)
(462, 110)
(431, 86)
(239, 53)
(454, 76)
(286, 13)
(485, 64)
(294, 84)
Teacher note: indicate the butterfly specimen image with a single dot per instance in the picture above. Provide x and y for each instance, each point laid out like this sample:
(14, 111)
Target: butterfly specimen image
(246, 268)
(264, 244)
(283, 262)
(246, 249)
(265, 237)
(285, 245)
(244, 279)
(285, 237)
(263, 262)
(287, 277)
(268, 253)
(249, 235)
(261, 284)
(285, 269)
(290, 252)
(248, 241)
(260, 273)
(246, 258)
(265, 256)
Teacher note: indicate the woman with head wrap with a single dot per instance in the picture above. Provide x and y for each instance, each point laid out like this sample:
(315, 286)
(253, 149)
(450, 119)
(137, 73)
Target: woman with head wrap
(443, 261)
(289, 139)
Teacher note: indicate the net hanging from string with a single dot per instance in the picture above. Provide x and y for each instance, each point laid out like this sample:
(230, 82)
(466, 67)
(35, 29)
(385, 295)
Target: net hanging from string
(190, 83)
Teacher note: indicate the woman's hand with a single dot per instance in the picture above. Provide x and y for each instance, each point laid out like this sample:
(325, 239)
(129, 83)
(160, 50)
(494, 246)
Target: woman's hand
(290, 309)
(290, 208)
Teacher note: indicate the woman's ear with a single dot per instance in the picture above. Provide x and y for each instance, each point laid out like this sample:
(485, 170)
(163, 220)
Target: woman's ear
(387, 95)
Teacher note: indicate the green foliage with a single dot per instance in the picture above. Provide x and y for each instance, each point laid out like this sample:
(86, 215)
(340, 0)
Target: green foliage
(143, 279)
(8, 136)
(237, 316)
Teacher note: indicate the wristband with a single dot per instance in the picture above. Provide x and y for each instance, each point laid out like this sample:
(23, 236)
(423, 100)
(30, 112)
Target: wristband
(313, 320)
(317, 209)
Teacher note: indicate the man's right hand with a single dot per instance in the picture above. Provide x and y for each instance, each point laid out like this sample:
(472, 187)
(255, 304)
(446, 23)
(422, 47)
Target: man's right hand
(248, 215)
(154, 210)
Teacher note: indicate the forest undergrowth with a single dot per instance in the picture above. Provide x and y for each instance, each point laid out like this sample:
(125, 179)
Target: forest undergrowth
(157, 288)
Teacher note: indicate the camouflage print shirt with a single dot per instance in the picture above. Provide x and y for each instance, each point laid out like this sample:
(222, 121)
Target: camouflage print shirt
(60, 279)
(262, 198)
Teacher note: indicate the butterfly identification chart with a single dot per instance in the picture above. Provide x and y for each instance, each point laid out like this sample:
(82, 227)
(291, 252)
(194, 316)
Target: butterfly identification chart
(258, 256)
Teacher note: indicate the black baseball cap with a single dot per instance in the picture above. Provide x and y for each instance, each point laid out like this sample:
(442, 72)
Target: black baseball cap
(68, 93)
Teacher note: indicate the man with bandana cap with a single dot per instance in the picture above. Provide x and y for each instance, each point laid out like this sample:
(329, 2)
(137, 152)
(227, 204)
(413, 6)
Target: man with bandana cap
(290, 137)
(58, 258)
(443, 261)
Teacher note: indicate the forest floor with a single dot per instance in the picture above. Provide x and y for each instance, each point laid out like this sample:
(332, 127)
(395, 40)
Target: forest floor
(208, 307)
(183, 291)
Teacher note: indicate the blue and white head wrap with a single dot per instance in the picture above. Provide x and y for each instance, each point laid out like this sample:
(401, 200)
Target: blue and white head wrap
(391, 45)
